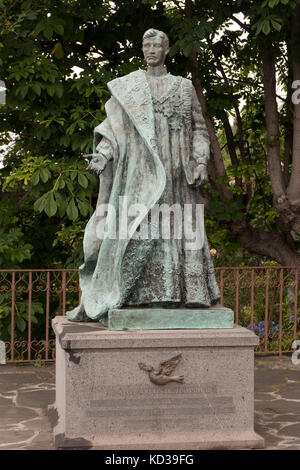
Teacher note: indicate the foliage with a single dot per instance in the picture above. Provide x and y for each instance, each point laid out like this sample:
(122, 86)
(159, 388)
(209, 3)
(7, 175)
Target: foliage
(56, 59)
(230, 66)
(13, 249)
(21, 315)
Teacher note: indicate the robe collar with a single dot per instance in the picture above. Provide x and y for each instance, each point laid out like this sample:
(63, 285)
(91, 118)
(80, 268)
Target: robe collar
(134, 95)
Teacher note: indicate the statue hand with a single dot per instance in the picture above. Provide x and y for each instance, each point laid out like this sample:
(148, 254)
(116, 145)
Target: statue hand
(200, 175)
(97, 163)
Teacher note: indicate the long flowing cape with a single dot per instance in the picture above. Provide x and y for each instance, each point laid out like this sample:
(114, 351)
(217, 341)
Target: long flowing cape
(135, 172)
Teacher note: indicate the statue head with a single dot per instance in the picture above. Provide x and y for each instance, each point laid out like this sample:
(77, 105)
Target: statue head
(155, 47)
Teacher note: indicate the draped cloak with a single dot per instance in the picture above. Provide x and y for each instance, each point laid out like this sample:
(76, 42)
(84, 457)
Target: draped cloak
(117, 269)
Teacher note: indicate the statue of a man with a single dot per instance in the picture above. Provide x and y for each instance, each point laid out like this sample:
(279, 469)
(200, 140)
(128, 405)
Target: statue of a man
(151, 150)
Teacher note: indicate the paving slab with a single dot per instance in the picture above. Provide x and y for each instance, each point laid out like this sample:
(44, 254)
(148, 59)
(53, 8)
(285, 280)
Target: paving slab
(35, 398)
(27, 390)
(277, 402)
(25, 393)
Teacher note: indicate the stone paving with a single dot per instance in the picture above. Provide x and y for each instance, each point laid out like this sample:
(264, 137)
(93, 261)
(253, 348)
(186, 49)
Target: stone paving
(27, 390)
(277, 402)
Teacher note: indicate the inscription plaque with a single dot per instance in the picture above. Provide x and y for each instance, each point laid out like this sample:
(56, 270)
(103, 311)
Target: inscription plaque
(149, 409)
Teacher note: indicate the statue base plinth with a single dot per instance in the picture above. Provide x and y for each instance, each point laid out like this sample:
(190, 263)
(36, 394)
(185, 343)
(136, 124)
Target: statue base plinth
(105, 400)
(170, 319)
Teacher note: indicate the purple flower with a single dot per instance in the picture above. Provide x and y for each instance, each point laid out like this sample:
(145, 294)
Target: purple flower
(292, 318)
(260, 328)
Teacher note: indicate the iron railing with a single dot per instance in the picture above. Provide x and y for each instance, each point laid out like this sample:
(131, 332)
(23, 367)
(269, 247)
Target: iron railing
(265, 299)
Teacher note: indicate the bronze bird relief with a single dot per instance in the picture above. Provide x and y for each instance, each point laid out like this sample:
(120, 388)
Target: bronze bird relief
(162, 376)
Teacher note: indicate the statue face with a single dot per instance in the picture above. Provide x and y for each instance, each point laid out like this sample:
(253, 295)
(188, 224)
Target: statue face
(154, 51)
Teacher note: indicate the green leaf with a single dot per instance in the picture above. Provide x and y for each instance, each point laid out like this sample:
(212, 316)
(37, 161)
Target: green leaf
(84, 207)
(61, 182)
(276, 25)
(61, 203)
(258, 26)
(187, 49)
(23, 91)
(70, 186)
(58, 51)
(48, 31)
(36, 88)
(58, 28)
(72, 211)
(59, 90)
(73, 175)
(266, 28)
(50, 205)
(51, 89)
(32, 15)
(35, 178)
(45, 174)
(20, 323)
(82, 180)
(273, 3)
(39, 27)
(39, 205)
(37, 307)
(64, 140)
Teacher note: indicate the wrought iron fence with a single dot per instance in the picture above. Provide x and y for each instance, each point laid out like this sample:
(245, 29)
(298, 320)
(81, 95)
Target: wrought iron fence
(264, 299)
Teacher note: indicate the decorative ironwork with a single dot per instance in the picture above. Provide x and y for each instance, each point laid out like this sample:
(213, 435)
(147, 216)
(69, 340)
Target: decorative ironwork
(265, 299)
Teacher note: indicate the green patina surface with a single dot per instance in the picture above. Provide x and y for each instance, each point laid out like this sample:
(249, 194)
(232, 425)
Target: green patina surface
(165, 319)
(151, 153)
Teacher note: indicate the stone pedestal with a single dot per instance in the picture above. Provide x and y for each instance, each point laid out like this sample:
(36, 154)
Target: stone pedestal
(104, 400)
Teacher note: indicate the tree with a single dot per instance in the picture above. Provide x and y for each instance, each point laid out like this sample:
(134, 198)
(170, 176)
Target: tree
(256, 179)
(52, 111)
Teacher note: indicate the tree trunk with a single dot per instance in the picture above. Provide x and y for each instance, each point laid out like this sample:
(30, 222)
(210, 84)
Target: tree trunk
(286, 203)
(272, 122)
(294, 186)
(288, 128)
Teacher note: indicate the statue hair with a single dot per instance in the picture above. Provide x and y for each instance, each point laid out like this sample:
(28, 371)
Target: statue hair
(160, 34)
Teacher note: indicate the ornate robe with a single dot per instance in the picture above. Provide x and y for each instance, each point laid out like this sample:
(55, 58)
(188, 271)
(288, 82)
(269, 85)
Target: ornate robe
(149, 145)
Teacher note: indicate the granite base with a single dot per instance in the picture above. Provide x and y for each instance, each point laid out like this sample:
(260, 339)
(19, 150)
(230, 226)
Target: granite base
(104, 400)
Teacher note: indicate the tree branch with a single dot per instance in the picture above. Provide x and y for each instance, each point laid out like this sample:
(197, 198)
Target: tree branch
(242, 25)
(215, 146)
(177, 3)
(271, 244)
(234, 100)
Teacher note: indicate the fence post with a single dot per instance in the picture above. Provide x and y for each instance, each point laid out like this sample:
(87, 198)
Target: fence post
(12, 324)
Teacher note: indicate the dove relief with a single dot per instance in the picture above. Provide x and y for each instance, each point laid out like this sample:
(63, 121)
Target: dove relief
(162, 376)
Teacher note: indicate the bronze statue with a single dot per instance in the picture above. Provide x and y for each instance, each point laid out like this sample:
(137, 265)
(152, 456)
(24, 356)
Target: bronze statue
(151, 150)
